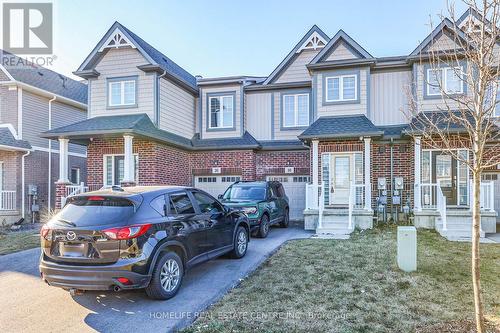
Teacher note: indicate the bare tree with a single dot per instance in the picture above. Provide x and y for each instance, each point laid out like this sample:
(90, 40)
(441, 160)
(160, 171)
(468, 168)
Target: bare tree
(465, 115)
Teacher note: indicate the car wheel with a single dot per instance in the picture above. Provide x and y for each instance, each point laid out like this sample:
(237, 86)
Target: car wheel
(167, 277)
(286, 219)
(240, 243)
(264, 226)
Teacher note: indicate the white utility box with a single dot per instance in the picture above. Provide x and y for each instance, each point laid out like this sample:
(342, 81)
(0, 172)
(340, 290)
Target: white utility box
(407, 248)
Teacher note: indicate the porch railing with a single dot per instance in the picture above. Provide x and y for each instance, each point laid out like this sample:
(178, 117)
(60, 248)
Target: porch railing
(312, 196)
(7, 200)
(428, 195)
(441, 205)
(321, 205)
(78, 189)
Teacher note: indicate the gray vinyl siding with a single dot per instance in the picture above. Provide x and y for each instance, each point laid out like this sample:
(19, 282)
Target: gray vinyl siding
(341, 52)
(426, 104)
(442, 43)
(258, 115)
(297, 70)
(64, 114)
(177, 109)
(8, 106)
(389, 97)
(122, 63)
(279, 132)
(360, 107)
(223, 133)
(3, 76)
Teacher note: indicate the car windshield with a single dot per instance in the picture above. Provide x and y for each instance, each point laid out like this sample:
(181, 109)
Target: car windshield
(245, 192)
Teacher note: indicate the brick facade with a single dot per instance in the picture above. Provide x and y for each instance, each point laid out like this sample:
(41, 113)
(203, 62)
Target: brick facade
(275, 162)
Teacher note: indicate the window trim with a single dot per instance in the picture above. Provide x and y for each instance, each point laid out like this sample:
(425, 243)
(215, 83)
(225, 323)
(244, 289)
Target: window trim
(121, 80)
(78, 174)
(295, 93)
(341, 74)
(219, 95)
(104, 175)
(443, 68)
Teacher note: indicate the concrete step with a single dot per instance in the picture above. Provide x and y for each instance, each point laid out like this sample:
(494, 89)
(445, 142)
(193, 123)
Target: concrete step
(330, 231)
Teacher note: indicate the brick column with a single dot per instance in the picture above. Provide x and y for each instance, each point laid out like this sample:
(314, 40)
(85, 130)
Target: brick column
(60, 193)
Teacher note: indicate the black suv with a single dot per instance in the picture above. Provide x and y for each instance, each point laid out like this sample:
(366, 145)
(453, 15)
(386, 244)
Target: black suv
(138, 237)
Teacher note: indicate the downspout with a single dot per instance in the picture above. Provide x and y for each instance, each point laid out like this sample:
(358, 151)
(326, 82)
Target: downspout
(49, 188)
(392, 177)
(158, 98)
(22, 183)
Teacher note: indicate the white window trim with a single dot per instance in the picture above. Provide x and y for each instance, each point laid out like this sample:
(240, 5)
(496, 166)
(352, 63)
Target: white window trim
(444, 81)
(78, 174)
(220, 98)
(122, 92)
(104, 169)
(295, 110)
(341, 88)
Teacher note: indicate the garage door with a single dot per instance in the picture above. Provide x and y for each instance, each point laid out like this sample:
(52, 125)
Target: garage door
(214, 185)
(295, 189)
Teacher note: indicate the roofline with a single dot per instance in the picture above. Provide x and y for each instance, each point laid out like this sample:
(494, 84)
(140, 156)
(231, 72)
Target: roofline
(341, 34)
(159, 70)
(290, 55)
(341, 63)
(45, 93)
(6, 147)
(275, 86)
(228, 79)
(340, 136)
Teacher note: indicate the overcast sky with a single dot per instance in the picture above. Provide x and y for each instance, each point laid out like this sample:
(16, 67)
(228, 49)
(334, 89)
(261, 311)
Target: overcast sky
(233, 37)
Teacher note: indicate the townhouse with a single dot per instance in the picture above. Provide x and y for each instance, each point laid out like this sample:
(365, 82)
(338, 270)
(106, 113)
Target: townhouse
(33, 100)
(331, 122)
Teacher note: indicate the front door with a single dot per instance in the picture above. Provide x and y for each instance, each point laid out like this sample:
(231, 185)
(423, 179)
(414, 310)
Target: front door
(341, 173)
(444, 173)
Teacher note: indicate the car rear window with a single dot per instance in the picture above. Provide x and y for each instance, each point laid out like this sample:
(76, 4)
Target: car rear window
(245, 192)
(95, 210)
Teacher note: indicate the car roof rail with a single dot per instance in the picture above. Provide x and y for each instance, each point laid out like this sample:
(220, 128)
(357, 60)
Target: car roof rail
(117, 188)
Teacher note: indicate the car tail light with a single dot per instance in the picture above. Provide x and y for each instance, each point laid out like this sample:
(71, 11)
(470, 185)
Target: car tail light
(44, 232)
(124, 280)
(128, 232)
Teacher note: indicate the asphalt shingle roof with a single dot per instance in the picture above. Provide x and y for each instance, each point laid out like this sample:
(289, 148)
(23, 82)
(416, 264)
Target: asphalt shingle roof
(43, 78)
(340, 127)
(246, 140)
(8, 139)
(422, 122)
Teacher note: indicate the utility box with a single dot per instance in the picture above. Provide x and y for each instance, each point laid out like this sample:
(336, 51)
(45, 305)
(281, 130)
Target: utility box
(407, 248)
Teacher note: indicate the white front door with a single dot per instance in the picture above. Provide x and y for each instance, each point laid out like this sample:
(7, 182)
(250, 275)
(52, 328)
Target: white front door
(341, 174)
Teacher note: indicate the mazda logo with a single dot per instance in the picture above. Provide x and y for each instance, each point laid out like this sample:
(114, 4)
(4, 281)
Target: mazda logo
(71, 235)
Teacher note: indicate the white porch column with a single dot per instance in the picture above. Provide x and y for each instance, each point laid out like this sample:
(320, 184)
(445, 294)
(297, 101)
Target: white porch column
(417, 190)
(367, 157)
(128, 160)
(63, 160)
(315, 162)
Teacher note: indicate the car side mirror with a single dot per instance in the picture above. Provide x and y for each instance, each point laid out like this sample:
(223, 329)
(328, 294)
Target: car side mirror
(220, 196)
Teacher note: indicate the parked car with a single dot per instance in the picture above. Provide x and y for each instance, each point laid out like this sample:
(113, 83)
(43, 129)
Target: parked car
(264, 202)
(138, 237)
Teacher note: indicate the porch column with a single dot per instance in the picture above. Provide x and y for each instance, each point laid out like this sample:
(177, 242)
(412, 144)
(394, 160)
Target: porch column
(128, 160)
(63, 160)
(417, 191)
(315, 162)
(367, 157)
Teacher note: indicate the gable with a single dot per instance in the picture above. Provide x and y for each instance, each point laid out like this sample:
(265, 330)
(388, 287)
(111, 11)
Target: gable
(443, 42)
(341, 52)
(440, 39)
(297, 71)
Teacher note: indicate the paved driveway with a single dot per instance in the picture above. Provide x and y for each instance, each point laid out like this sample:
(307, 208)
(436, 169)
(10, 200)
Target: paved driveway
(28, 305)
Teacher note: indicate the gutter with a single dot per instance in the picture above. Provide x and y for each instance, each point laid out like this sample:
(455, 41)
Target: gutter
(157, 97)
(23, 210)
(49, 186)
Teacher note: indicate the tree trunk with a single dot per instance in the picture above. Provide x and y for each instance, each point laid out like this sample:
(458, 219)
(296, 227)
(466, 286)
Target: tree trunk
(476, 274)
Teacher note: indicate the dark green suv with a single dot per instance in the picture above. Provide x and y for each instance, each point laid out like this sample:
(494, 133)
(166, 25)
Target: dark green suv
(264, 202)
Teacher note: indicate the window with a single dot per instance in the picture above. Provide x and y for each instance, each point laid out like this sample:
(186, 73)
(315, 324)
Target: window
(341, 88)
(207, 179)
(75, 175)
(230, 179)
(208, 205)
(446, 79)
(221, 111)
(114, 169)
(296, 110)
(181, 204)
(122, 92)
(158, 204)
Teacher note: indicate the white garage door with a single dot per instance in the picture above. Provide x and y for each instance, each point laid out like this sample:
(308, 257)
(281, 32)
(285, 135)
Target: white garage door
(295, 189)
(214, 185)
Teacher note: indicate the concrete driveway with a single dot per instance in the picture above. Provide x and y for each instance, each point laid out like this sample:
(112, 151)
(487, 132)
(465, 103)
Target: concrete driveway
(29, 305)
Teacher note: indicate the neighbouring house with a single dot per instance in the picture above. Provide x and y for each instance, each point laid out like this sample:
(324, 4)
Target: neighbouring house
(33, 100)
(330, 122)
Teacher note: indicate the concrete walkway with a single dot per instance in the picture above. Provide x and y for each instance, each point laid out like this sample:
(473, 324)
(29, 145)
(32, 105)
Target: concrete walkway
(28, 305)
(494, 237)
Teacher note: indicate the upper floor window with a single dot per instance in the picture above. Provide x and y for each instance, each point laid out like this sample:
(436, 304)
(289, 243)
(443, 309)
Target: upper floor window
(295, 110)
(122, 92)
(341, 88)
(221, 111)
(447, 79)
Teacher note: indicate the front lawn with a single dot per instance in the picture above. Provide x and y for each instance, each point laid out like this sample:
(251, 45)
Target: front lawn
(355, 286)
(14, 241)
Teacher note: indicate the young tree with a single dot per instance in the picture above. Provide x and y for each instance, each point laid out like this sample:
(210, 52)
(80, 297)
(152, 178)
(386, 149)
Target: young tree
(465, 115)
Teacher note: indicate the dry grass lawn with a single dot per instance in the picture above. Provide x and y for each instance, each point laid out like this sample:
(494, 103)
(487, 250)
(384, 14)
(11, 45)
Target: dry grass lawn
(356, 286)
(14, 241)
